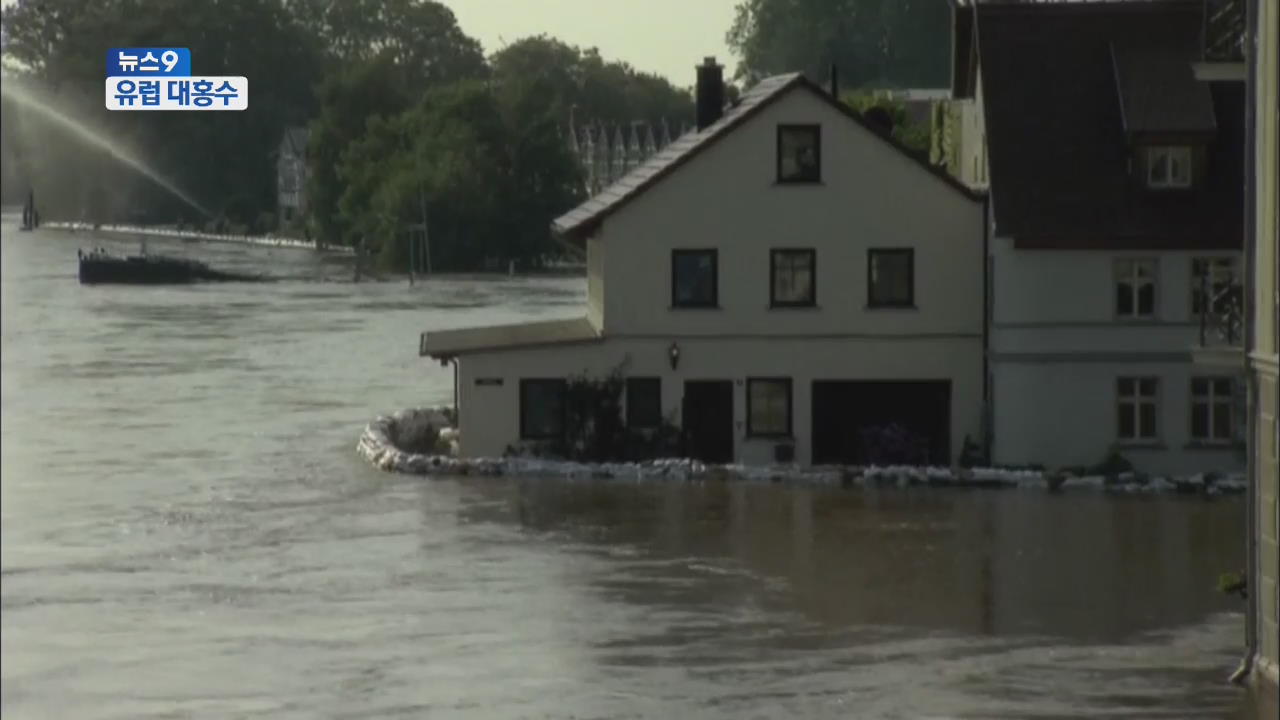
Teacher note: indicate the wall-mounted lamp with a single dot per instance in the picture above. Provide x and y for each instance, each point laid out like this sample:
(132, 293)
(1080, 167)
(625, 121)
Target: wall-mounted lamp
(673, 354)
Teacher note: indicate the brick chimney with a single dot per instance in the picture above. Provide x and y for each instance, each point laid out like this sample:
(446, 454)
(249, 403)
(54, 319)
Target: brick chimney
(710, 92)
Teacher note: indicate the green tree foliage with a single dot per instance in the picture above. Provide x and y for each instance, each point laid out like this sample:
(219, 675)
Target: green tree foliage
(403, 107)
(544, 76)
(489, 158)
(223, 159)
(489, 188)
(873, 43)
(915, 136)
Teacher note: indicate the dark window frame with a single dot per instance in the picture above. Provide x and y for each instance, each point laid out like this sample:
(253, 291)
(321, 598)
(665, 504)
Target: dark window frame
(812, 300)
(1209, 400)
(910, 253)
(783, 128)
(791, 402)
(1132, 285)
(1131, 400)
(525, 383)
(715, 278)
(1171, 152)
(632, 422)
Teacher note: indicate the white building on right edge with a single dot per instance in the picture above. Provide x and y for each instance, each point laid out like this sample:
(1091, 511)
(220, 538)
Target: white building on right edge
(1115, 180)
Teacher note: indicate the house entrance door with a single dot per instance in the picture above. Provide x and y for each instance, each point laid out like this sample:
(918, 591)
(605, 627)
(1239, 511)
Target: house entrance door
(708, 420)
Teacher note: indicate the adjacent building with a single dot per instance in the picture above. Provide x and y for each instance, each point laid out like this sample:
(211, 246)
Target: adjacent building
(1115, 181)
(291, 176)
(1242, 46)
(1262, 343)
(784, 283)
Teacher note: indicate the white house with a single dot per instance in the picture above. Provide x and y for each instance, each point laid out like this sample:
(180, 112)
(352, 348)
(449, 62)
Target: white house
(1115, 185)
(775, 282)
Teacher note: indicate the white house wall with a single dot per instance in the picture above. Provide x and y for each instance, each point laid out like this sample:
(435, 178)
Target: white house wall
(489, 414)
(726, 197)
(1057, 350)
(1061, 413)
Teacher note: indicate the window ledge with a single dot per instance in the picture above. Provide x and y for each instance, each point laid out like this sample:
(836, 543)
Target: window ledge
(693, 307)
(1140, 320)
(795, 307)
(1217, 446)
(911, 308)
(1141, 445)
(771, 438)
(797, 183)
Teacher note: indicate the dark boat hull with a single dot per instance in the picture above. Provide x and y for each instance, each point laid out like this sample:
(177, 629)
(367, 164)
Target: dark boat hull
(107, 270)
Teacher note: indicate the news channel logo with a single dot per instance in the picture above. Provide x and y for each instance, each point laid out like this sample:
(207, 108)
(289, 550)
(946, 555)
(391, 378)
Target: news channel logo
(159, 78)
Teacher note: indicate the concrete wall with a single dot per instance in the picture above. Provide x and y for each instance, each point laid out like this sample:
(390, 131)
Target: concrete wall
(489, 414)
(1057, 349)
(1263, 358)
(972, 139)
(727, 198)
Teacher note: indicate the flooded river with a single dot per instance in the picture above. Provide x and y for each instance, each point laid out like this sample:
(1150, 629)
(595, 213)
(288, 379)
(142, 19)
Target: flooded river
(188, 533)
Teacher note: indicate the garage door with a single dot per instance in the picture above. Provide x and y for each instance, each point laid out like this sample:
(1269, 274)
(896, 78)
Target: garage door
(881, 422)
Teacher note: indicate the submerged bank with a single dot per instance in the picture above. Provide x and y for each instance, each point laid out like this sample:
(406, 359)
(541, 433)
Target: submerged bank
(385, 443)
(152, 231)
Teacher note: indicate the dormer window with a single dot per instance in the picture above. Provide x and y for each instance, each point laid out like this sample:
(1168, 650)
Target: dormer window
(1168, 167)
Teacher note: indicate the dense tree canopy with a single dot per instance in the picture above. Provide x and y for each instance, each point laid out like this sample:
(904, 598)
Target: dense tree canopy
(57, 49)
(880, 43)
(407, 116)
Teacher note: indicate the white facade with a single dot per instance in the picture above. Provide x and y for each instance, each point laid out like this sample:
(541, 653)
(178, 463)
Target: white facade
(1059, 350)
(726, 196)
(1075, 373)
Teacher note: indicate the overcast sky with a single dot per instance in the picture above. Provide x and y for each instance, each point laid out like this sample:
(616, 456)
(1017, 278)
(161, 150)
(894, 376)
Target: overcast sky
(668, 37)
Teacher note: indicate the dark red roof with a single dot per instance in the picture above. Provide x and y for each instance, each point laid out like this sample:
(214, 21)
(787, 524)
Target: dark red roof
(1058, 149)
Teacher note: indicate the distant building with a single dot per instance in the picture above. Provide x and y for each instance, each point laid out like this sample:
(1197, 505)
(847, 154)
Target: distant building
(918, 103)
(291, 175)
(608, 151)
(1242, 48)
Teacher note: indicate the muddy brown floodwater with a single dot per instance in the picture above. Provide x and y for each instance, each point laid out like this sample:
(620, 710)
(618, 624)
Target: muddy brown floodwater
(188, 532)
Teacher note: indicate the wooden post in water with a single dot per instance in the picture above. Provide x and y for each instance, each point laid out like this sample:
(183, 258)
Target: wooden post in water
(413, 240)
(426, 240)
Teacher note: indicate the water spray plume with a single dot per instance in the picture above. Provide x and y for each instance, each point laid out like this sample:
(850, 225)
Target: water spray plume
(25, 98)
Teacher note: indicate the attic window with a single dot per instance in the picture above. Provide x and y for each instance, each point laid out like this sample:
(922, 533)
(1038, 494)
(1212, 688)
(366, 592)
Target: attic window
(1168, 167)
(799, 154)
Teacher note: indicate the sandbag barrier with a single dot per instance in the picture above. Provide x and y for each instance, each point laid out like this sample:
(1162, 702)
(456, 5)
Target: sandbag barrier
(382, 440)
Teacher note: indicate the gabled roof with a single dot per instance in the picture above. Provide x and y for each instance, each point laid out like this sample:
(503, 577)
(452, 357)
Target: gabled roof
(1058, 151)
(582, 220)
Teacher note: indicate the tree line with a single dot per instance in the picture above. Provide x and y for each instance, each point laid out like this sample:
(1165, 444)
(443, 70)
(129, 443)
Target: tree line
(407, 115)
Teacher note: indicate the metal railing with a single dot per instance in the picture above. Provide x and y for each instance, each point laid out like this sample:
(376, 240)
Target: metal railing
(1221, 309)
(1223, 30)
